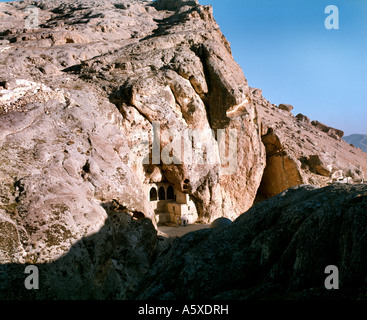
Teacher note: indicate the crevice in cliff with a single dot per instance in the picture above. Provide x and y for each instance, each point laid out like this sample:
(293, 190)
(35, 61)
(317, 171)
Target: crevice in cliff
(122, 96)
(204, 97)
(217, 97)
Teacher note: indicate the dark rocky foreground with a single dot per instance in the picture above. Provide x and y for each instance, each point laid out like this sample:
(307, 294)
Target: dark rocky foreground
(277, 250)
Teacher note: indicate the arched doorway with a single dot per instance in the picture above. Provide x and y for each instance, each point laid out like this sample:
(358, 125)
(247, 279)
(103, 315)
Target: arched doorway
(153, 194)
(161, 194)
(170, 193)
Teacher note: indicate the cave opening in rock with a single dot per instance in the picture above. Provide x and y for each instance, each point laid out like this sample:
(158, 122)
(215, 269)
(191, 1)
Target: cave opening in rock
(86, 167)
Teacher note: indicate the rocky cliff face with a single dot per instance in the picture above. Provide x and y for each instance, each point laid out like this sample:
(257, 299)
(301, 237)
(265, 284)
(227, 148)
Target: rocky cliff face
(78, 88)
(85, 93)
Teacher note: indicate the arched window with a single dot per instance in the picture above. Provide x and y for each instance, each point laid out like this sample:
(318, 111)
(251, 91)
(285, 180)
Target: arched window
(153, 194)
(170, 193)
(161, 194)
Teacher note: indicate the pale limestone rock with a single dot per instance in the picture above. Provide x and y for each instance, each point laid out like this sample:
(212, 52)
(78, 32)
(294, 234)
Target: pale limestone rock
(63, 168)
(65, 147)
(282, 171)
(316, 165)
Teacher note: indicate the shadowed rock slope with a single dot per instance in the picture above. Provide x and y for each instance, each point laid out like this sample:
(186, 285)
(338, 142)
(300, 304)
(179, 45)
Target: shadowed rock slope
(279, 249)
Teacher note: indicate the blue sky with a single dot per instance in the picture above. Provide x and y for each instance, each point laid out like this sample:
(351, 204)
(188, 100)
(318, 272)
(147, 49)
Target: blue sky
(284, 48)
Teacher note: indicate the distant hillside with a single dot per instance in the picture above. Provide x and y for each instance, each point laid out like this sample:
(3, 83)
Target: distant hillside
(358, 140)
